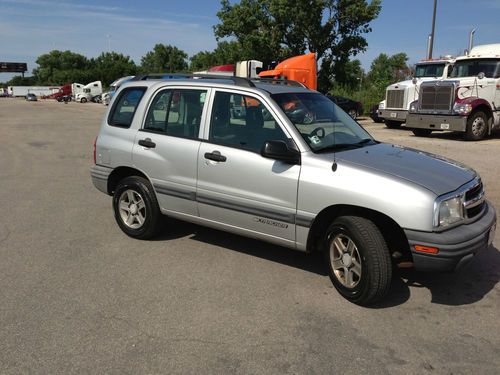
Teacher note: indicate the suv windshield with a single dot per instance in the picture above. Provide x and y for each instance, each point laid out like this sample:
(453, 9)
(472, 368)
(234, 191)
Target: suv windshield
(429, 70)
(322, 124)
(472, 67)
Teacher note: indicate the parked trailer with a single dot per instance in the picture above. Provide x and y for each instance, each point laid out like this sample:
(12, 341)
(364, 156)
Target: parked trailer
(37, 90)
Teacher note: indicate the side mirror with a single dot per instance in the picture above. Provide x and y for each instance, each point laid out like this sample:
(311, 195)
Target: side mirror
(279, 150)
(414, 80)
(480, 75)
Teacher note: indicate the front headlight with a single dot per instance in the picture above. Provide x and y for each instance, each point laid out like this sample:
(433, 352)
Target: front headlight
(449, 211)
(381, 105)
(462, 109)
(413, 107)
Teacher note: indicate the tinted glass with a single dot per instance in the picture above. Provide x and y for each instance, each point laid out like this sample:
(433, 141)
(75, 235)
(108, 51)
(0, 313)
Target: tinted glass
(471, 68)
(429, 70)
(125, 106)
(322, 124)
(243, 122)
(176, 112)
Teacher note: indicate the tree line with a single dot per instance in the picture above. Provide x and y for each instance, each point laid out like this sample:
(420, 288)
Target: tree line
(265, 30)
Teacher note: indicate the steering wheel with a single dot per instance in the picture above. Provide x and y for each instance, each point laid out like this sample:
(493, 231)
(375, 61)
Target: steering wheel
(309, 117)
(319, 132)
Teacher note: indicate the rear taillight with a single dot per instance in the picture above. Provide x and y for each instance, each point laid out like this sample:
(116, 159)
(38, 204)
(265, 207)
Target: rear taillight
(95, 141)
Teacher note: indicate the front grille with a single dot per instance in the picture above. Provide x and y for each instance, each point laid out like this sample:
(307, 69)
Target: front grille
(474, 192)
(395, 99)
(474, 200)
(436, 97)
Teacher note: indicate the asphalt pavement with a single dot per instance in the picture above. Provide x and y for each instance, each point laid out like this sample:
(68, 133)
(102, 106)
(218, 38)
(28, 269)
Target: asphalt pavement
(77, 296)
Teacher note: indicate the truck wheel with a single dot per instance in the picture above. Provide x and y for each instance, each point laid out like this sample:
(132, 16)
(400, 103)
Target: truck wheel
(391, 124)
(83, 100)
(136, 208)
(358, 260)
(422, 132)
(477, 126)
(353, 113)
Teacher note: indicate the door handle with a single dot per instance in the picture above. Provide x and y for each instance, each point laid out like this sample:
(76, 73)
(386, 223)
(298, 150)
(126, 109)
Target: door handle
(147, 143)
(215, 156)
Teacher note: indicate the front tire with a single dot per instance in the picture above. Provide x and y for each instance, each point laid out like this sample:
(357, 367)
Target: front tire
(391, 124)
(422, 132)
(477, 126)
(83, 100)
(136, 208)
(353, 113)
(358, 260)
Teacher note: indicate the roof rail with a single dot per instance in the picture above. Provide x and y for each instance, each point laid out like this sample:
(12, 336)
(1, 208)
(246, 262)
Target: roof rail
(239, 81)
(279, 81)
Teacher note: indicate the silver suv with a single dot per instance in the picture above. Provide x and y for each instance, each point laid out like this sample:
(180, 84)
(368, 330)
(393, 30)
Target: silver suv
(275, 161)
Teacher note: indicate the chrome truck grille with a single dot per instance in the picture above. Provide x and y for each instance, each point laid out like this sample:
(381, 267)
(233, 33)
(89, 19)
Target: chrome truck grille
(436, 97)
(474, 200)
(395, 99)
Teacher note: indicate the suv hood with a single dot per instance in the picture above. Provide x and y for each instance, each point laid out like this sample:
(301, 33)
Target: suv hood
(433, 172)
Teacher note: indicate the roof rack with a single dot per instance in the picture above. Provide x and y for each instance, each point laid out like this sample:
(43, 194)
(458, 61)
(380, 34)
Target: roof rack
(239, 81)
(279, 81)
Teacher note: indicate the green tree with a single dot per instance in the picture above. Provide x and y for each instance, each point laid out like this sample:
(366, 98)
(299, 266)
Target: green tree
(164, 58)
(59, 67)
(227, 52)
(20, 81)
(385, 70)
(109, 66)
(271, 30)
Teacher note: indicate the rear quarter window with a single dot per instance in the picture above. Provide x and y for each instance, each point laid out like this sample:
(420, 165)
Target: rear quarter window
(125, 106)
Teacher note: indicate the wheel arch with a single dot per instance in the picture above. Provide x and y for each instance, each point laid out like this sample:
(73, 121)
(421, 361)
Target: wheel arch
(391, 231)
(119, 174)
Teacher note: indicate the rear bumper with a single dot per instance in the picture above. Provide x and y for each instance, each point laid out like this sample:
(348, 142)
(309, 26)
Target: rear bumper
(100, 176)
(457, 246)
(436, 122)
(394, 114)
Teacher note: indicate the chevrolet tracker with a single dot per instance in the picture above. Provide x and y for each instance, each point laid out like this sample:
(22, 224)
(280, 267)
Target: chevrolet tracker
(288, 167)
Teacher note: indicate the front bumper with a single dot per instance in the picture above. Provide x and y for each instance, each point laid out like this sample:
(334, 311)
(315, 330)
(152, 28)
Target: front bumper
(436, 122)
(393, 114)
(456, 246)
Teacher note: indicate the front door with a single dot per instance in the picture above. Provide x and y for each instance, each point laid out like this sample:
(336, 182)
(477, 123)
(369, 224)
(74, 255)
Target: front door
(236, 185)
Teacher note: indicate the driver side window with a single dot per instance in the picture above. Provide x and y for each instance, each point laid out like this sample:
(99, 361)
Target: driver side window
(243, 122)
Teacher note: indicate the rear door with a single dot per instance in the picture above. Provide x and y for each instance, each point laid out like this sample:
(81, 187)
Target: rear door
(236, 185)
(166, 147)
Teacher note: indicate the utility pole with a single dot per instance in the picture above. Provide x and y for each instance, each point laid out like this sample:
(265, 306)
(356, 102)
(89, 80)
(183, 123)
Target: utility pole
(431, 42)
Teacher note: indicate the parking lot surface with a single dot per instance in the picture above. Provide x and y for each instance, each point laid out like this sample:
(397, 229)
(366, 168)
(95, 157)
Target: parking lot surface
(79, 296)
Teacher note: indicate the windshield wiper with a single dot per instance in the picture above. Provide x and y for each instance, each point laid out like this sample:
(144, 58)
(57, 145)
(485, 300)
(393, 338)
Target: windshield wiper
(365, 141)
(343, 146)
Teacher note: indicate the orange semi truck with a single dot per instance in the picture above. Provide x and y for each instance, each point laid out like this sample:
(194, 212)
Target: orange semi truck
(298, 68)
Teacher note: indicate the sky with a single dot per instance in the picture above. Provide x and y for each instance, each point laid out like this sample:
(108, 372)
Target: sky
(29, 28)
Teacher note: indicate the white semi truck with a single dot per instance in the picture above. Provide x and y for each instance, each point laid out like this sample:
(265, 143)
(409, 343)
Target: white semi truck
(394, 109)
(468, 101)
(89, 92)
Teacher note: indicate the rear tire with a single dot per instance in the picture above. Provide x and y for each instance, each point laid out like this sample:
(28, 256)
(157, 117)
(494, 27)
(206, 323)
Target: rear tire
(422, 132)
(136, 208)
(391, 124)
(358, 260)
(477, 126)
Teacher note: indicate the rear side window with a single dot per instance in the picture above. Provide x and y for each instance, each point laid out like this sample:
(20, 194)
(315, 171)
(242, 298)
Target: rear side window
(125, 106)
(176, 112)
